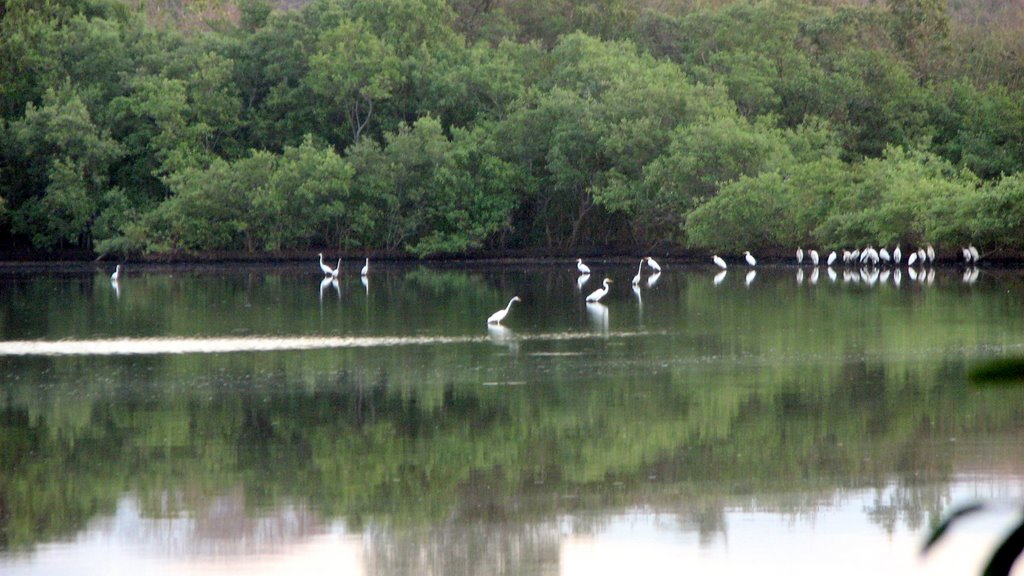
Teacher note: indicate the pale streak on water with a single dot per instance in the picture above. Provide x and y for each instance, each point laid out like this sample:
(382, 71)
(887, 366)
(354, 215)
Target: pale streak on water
(153, 346)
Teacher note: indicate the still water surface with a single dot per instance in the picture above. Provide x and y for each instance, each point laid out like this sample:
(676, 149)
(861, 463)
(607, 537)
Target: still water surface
(260, 421)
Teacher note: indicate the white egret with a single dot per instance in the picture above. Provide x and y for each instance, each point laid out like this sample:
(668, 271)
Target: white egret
(116, 275)
(583, 268)
(912, 258)
(855, 256)
(639, 272)
(847, 255)
(931, 253)
(967, 255)
(799, 255)
(498, 316)
(366, 268)
(654, 265)
(325, 267)
(596, 295)
(974, 253)
(814, 257)
(719, 262)
(336, 271)
(831, 258)
(883, 254)
(897, 255)
(922, 255)
(749, 258)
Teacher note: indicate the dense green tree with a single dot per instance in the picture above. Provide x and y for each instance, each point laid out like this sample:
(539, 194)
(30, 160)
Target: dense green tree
(460, 125)
(352, 72)
(67, 158)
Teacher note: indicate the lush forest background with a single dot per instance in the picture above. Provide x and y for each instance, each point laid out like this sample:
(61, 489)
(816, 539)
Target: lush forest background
(430, 127)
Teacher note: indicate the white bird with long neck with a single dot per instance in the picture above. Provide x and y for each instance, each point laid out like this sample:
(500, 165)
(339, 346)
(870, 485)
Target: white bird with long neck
(325, 267)
(719, 261)
(498, 316)
(654, 265)
(897, 254)
(117, 274)
(749, 258)
(336, 271)
(799, 255)
(814, 256)
(639, 273)
(596, 295)
(366, 268)
(974, 252)
(583, 268)
(831, 258)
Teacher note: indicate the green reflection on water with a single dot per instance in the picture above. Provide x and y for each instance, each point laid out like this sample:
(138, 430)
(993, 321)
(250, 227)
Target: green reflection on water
(769, 390)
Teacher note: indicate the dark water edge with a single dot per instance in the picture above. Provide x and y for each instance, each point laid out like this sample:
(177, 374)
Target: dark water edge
(533, 256)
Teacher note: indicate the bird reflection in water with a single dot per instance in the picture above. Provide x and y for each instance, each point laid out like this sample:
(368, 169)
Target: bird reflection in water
(581, 281)
(328, 282)
(720, 277)
(653, 279)
(502, 336)
(750, 277)
(598, 316)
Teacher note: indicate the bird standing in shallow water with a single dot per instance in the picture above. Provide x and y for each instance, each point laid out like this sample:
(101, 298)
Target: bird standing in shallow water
(117, 274)
(366, 268)
(498, 316)
(325, 267)
(583, 268)
(749, 258)
(639, 272)
(654, 265)
(719, 262)
(596, 295)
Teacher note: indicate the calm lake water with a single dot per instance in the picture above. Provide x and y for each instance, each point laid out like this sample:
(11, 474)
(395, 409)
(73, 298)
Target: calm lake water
(254, 420)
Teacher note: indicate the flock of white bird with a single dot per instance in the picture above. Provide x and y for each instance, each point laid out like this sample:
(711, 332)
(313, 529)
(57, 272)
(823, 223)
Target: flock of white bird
(595, 296)
(867, 257)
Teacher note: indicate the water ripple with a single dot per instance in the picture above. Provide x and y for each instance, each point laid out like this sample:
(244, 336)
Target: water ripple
(221, 345)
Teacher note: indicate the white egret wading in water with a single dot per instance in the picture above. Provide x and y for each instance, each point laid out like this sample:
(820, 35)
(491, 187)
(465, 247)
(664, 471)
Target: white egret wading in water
(583, 268)
(831, 258)
(719, 262)
(799, 255)
(334, 273)
(498, 316)
(897, 255)
(596, 295)
(654, 265)
(326, 268)
(117, 274)
(814, 257)
(639, 272)
(749, 258)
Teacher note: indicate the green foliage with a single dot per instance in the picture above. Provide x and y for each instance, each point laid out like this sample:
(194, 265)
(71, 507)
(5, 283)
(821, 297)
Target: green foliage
(615, 124)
